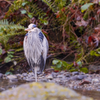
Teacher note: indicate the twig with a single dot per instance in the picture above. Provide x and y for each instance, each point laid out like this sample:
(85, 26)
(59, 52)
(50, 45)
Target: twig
(6, 1)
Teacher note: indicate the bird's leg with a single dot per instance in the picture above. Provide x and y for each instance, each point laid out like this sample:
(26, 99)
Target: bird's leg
(35, 70)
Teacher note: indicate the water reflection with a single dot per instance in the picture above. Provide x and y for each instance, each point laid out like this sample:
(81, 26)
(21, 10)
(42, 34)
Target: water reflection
(6, 84)
(94, 94)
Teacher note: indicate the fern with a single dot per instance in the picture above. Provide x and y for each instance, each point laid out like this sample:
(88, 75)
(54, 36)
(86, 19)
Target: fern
(30, 10)
(56, 5)
(8, 30)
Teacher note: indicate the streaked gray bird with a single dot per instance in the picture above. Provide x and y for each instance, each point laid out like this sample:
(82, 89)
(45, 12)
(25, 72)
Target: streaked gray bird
(35, 49)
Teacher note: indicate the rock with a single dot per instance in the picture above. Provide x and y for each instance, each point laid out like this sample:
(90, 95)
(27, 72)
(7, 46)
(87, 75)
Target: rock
(95, 80)
(80, 77)
(19, 76)
(24, 74)
(41, 91)
(94, 68)
(67, 74)
(75, 73)
(12, 77)
(29, 80)
(54, 74)
(49, 77)
(1, 75)
(60, 76)
(74, 78)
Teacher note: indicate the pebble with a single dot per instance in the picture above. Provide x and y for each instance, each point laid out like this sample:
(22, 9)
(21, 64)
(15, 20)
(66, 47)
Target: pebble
(70, 79)
(54, 74)
(24, 74)
(67, 75)
(75, 73)
(49, 77)
(29, 80)
(80, 77)
(1, 75)
(95, 80)
(19, 76)
(11, 77)
(74, 78)
(60, 76)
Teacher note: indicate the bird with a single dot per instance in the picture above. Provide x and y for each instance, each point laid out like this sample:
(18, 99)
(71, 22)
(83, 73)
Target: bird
(36, 48)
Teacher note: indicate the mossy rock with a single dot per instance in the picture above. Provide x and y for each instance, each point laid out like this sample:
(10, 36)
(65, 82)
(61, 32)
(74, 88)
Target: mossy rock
(41, 91)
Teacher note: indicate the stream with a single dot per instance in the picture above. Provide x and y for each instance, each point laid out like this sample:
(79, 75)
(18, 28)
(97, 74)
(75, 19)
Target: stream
(6, 84)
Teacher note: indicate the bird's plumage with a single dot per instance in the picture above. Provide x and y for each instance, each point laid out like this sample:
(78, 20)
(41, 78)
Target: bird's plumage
(36, 49)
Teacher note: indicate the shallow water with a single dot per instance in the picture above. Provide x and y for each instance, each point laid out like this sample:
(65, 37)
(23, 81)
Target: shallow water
(6, 84)
(94, 94)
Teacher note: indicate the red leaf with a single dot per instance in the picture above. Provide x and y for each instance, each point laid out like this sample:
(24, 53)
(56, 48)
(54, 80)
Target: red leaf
(89, 39)
(57, 16)
(63, 9)
(98, 12)
(75, 64)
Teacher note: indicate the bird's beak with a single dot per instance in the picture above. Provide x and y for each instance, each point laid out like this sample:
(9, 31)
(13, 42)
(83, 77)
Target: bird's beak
(27, 29)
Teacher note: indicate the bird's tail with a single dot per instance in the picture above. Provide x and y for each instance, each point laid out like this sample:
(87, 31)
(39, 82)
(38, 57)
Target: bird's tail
(35, 70)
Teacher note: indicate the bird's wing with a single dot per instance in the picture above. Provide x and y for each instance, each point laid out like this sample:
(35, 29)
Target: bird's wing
(45, 48)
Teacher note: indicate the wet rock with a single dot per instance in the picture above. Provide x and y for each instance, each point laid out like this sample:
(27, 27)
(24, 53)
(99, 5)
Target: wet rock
(75, 73)
(4, 77)
(1, 75)
(12, 77)
(41, 91)
(2, 89)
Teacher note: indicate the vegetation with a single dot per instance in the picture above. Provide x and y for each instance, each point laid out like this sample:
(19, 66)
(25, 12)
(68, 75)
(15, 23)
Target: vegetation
(71, 26)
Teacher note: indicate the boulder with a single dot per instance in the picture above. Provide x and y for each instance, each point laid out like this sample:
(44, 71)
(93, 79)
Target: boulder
(41, 91)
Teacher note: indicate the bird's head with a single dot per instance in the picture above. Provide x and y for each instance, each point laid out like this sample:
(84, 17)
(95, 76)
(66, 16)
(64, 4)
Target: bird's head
(30, 27)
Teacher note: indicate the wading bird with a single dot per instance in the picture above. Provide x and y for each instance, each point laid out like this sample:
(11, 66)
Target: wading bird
(35, 49)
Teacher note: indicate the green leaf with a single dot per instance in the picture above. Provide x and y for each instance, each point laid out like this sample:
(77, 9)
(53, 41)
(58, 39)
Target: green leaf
(24, 3)
(86, 6)
(0, 51)
(19, 49)
(23, 11)
(59, 65)
(7, 59)
(92, 53)
(10, 56)
(30, 15)
(64, 63)
(55, 62)
(10, 52)
(85, 70)
(73, 69)
(45, 22)
(8, 73)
